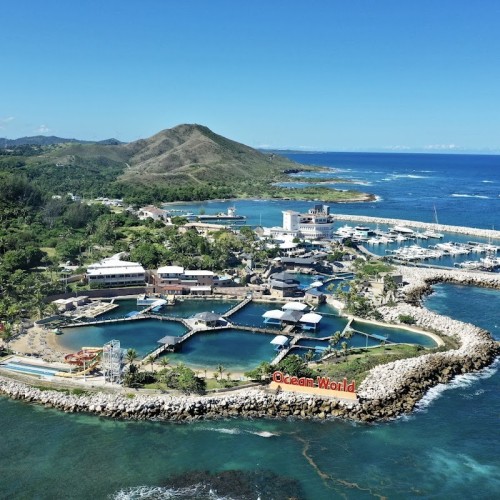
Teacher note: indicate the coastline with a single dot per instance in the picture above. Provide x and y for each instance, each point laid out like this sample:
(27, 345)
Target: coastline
(388, 390)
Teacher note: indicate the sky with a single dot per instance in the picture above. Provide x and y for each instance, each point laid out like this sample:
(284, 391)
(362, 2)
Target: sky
(351, 75)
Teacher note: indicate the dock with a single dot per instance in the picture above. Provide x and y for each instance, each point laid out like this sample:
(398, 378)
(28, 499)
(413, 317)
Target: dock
(237, 307)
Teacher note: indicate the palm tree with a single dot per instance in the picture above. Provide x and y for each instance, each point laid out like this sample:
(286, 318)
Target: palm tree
(344, 348)
(220, 369)
(151, 360)
(309, 355)
(131, 356)
(164, 362)
(335, 339)
(228, 375)
(348, 334)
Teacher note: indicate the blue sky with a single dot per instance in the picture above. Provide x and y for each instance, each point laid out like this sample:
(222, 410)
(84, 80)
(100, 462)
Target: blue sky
(327, 75)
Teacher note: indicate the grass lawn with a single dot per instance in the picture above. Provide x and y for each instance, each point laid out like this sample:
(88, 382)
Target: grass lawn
(360, 361)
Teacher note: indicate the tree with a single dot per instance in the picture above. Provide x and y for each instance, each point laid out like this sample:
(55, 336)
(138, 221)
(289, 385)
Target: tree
(151, 360)
(220, 369)
(344, 348)
(294, 365)
(261, 372)
(335, 339)
(309, 355)
(131, 356)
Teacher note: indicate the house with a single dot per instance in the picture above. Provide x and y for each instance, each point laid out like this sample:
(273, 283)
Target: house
(283, 285)
(196, 281)
(115, 272)
(152, 212)
(314, 296)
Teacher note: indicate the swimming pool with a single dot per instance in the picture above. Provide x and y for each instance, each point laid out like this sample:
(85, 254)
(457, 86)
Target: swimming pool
(30, 369)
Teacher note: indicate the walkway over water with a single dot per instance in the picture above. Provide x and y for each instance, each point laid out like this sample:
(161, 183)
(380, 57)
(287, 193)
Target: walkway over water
(237, 307)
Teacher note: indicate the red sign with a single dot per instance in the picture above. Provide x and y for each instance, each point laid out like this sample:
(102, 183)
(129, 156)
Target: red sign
(320, 382)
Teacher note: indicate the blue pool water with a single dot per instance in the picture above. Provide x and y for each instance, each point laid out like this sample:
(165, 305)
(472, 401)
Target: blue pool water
(398, 335)
(141, 335)
(236, 350)
(30, 369)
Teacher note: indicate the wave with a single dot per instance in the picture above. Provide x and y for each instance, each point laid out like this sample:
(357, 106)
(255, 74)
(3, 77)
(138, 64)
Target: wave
(459, 382)
(409, 176)
(224, 430)
(461, 195)
(488, 182)
(198, 491)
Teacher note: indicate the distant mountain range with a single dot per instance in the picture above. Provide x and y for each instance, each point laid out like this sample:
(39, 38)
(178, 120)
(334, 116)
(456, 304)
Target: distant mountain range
(43, 140)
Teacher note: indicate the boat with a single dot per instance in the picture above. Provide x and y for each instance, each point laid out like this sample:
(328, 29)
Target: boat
(402, 230)
(146, 300)
(57, 331)
(230, 215)
(433, 234)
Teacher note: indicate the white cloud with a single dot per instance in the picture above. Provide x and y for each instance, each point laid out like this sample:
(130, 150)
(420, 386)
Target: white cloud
(441, 147)
(5, 121)
(42, 129)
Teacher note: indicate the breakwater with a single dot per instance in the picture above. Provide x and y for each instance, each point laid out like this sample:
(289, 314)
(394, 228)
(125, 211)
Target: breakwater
(387, 391)
(407, 380)
(483, 233)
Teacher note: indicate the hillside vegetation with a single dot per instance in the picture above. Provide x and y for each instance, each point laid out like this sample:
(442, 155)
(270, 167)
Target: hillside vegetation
(187, 162)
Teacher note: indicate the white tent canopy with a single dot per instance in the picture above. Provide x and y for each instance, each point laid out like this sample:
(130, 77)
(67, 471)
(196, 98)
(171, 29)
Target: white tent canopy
(311, 318)
(273, 314)
(279, 340)
(295, 306)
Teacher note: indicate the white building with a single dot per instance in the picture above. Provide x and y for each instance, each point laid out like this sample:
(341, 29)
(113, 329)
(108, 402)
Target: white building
(316, 224)
(197, 281)
(115, 272)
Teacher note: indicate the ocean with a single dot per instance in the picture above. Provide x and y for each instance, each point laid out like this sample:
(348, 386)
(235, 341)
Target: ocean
(447, 448)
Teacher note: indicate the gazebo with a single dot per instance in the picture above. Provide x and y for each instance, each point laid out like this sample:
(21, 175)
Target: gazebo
(280, 341)
(310, 321)
(209, 319)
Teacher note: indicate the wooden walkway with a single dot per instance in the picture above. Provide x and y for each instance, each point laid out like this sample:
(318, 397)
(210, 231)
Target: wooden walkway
(237, 307)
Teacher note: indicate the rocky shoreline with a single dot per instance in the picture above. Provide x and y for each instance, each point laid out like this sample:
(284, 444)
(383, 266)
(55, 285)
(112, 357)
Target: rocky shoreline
(388, 391)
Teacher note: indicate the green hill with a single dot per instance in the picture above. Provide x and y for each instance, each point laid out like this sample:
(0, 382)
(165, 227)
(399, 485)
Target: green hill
(187, 162)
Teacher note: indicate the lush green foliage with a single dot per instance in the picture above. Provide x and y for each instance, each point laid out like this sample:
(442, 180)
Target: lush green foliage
(294, 365)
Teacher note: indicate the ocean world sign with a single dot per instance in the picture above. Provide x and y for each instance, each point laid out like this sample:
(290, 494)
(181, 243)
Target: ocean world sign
(319, 385)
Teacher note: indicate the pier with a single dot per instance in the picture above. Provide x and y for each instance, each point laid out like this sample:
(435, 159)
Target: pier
(237, 307)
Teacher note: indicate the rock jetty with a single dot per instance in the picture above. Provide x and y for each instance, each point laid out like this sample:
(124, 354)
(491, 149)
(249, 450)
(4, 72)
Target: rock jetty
(483, 233)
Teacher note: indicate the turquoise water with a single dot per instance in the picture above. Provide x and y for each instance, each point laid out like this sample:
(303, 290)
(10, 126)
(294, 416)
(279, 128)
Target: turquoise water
(398, 335)
(236, 350)
(251, 314)
(447, 449)
(141, 335)
(188, 308)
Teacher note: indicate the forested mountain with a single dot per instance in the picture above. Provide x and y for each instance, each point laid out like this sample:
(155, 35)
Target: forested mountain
(182, 163)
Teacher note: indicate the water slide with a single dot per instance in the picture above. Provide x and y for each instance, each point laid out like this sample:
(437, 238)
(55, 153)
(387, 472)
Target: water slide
(91, 367)
(87, 357)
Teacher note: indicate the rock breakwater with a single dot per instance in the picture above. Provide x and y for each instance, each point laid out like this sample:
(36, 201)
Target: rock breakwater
(483, 233)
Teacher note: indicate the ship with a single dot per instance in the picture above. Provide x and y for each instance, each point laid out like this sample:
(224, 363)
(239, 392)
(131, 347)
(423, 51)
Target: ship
(230, 216)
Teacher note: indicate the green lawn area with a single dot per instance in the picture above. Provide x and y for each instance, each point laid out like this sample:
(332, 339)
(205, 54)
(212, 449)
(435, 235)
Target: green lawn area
(50, 251)
(360, 361)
